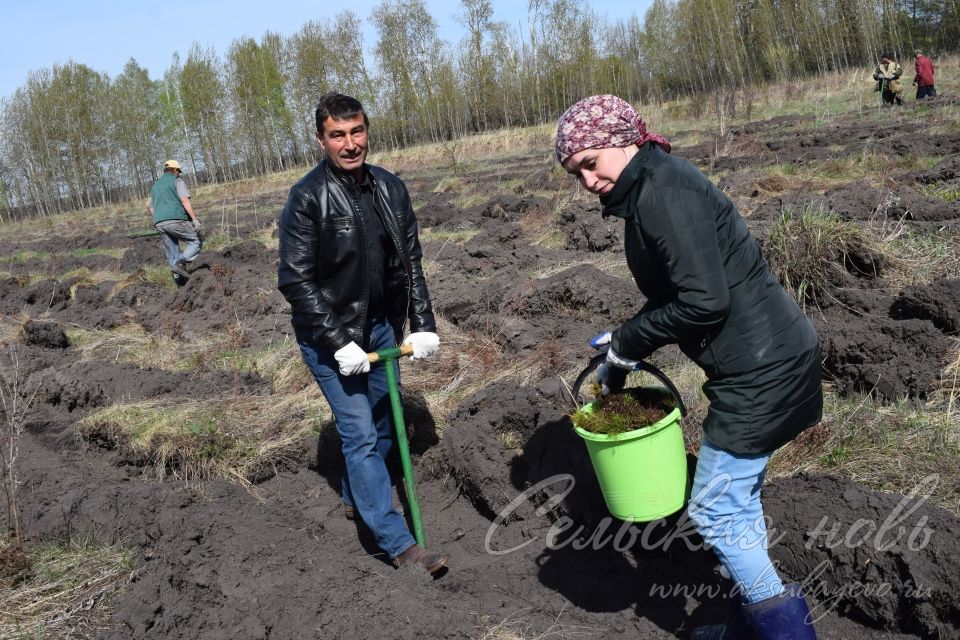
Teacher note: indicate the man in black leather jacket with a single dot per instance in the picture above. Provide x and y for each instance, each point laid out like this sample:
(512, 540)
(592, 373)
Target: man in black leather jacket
(350, 268)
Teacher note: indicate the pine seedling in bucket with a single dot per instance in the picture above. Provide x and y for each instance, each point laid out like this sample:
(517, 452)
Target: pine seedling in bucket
(636, 447)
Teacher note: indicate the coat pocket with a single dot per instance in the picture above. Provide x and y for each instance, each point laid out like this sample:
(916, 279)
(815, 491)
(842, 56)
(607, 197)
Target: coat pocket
(341, 223)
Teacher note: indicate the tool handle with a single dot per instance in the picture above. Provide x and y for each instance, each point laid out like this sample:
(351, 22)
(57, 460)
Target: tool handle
(391, 354)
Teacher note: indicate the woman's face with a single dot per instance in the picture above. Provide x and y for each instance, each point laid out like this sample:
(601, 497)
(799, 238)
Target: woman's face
(598, 169)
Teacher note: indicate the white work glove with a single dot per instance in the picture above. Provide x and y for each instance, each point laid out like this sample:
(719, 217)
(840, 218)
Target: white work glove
(352, 359)
(424, 343)
(196, 225)
(613, 357)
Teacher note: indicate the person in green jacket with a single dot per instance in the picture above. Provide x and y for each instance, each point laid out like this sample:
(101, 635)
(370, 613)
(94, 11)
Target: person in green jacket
(174, 218)
(708, 289)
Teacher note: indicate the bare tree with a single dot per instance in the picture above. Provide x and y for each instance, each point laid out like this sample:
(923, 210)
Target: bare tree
(16, 397)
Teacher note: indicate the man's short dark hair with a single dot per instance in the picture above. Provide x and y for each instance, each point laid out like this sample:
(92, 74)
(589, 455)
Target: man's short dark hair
(338, 107)
(887, 55)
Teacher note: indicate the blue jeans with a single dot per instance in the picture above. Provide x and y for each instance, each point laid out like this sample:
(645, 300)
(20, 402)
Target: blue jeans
(725, 507)
(172, 232)
(361, 408)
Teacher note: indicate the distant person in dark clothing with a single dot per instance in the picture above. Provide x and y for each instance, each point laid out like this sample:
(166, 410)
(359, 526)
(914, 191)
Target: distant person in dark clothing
(887, 75)
(924, 77)
(174, 218)
(708, 290)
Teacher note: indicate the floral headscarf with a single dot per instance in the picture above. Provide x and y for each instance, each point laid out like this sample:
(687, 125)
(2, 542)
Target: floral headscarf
(600, 122)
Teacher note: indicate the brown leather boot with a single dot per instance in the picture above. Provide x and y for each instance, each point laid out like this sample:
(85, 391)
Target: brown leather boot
(432, 561)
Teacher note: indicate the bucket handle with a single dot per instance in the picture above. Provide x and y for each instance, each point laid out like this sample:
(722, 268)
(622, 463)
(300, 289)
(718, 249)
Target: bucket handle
(601, 357)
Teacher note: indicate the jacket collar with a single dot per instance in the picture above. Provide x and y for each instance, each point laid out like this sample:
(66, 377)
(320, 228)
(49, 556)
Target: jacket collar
(617, 202)
(345, 179)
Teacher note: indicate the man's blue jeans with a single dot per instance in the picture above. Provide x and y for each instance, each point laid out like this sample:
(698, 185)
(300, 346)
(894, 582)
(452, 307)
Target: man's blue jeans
(172, 233)
(361, 408)
(725, 507)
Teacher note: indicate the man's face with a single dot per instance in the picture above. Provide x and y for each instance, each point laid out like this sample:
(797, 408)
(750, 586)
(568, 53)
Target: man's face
(345, 143)
(886, 60)
(597, 169)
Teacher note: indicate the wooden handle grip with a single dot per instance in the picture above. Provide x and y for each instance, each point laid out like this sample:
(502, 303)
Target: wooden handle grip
(405, 350)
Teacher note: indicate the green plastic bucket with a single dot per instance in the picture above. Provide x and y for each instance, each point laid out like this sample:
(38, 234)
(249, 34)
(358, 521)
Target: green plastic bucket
(642, 473)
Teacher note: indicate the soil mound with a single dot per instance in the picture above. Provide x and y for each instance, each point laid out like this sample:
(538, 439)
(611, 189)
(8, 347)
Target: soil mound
(221, 298)
(946, 170)
(891, 358)
(49, 335)
(587, 230)
(91, 385)
(887, 562)
(47, 294)
(250, 251)
(938, 302)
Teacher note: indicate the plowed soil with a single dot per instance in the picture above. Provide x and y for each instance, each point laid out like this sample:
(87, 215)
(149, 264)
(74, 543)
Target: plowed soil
(507, 489)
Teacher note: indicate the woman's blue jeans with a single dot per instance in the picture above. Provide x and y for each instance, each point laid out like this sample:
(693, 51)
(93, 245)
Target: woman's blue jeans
(725, 507)
(361, 408)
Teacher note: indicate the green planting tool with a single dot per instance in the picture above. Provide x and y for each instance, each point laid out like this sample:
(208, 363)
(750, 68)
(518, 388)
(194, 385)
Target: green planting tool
(144, 234)
(388, 356)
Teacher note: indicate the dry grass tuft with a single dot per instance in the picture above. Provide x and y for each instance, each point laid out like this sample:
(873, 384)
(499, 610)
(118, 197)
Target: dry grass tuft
(468, 361)
(774, 184)
(886, 447)
(923, 257)
(130, 343)
(63, 592)
(240, 438)
(812, 252)
(516, 627)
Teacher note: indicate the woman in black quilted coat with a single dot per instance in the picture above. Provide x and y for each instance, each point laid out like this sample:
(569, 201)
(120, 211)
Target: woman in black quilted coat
(708, 290)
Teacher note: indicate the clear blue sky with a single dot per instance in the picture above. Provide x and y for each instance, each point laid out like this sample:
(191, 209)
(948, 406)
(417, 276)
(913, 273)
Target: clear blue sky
(104, 34)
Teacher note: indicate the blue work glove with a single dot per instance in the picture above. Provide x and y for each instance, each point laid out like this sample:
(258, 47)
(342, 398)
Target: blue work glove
(612, 374)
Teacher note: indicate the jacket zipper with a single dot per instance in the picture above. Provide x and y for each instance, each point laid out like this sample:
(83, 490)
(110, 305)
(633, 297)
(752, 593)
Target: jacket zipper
(401, 252)
(361, 226)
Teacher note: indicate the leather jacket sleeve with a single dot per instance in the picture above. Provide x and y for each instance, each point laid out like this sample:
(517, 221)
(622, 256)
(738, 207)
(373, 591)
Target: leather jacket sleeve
(421, 311)
(683, 234)
(296, 272)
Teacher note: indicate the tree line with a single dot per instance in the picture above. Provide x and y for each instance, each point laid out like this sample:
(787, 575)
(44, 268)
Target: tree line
(72, 137)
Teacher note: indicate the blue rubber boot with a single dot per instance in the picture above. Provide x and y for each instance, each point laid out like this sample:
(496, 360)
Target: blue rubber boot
(734, 629)
(782, 617)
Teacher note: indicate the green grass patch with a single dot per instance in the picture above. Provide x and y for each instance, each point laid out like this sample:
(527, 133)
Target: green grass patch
(866, 164)
(97, 251)
(64, 592)
(469, 199)
(868, 441)
(219, 238)
(281, 363)
(947, 194)
(453, 183)
(27, 255)
(157, 275)
(240, 439)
